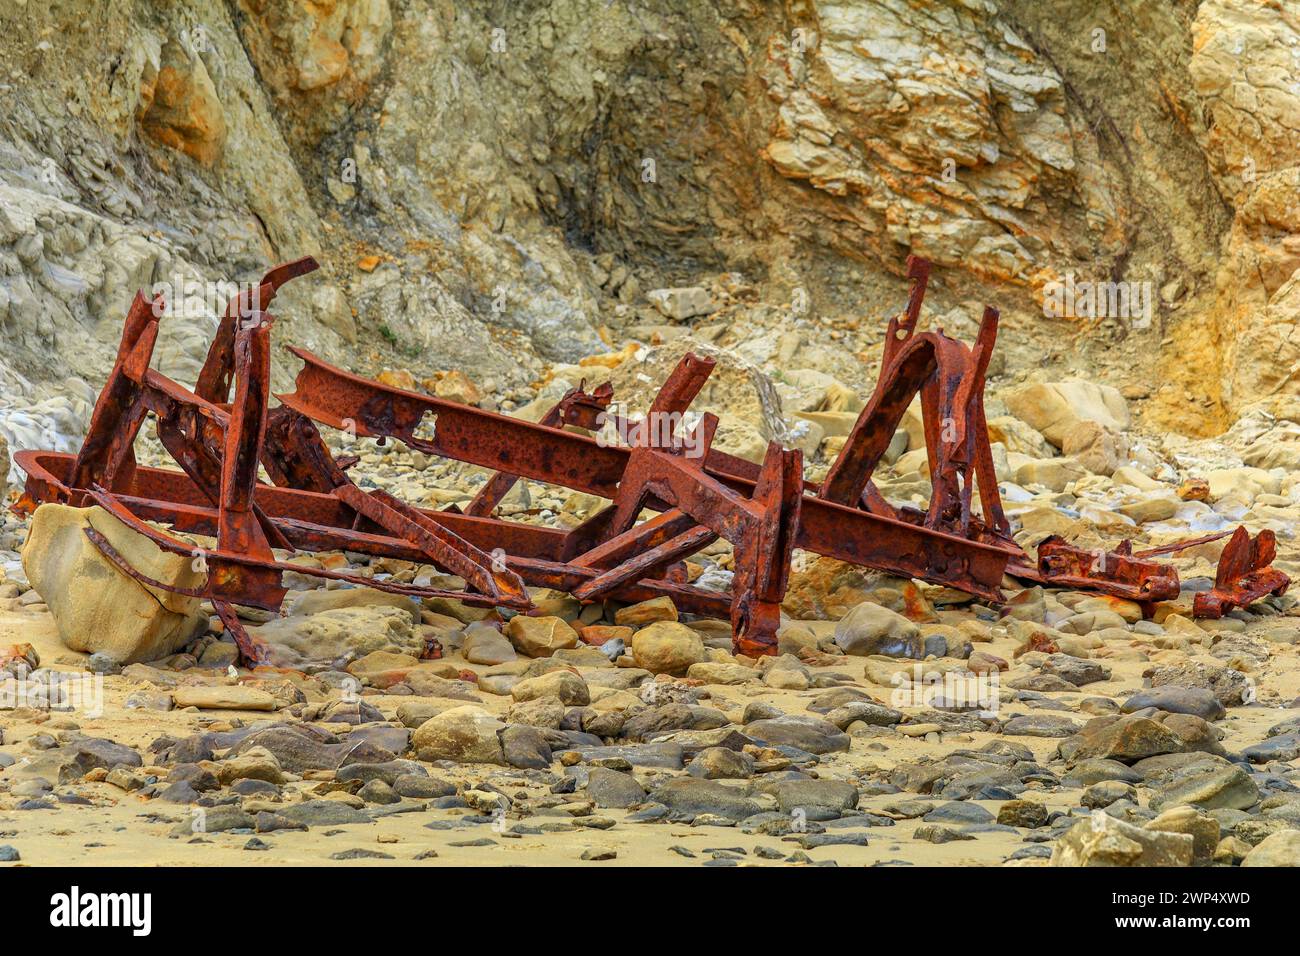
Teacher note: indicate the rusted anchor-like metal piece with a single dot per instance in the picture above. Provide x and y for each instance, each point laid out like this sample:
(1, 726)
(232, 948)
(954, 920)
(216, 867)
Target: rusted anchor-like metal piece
(1243, 575)
(949, 377)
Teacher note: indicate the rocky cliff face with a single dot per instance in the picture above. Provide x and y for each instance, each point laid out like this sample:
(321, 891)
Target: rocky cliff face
(496, 187)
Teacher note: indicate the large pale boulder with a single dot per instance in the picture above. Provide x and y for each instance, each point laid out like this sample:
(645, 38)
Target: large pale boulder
(1053, 408)
(340, 632)
(465, 734)
(1277, 849)
(99, 608)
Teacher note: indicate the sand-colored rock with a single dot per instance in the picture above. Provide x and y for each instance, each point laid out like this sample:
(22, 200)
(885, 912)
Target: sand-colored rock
(328, 635)
(1101, 840)
(466, 734)
(540, 636)
(667, 648)
(98, 608)
(1277, 849)
(1053, 408)
(566, 686)
(224, 697)
(646, 612)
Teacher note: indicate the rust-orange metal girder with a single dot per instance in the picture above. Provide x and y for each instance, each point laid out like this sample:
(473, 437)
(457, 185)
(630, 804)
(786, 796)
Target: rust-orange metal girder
(1116, 572)
(218, 448)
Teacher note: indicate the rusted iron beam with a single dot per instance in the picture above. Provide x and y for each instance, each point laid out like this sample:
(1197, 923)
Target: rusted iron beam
(949, 378)
(1242, 577)
(1117, 572)
(642, 563)
(577, 407)
(218, 370)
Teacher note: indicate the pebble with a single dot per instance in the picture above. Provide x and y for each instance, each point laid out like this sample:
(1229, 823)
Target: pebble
(360, 853)
(933, 833)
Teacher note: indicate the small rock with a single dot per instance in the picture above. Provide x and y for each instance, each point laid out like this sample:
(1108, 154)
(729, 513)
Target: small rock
(646, 612)
(1279, 849)
(690, 795)
(933, 833)
(871, 629)
(1210, 786)
(612, 789)
(1102, 840)
(565, 685)
(540, 636)
(1075, 670)
(1177, 700)
(1022, 813)
(667, 648)
(721, 763)
(1106, 792)
(681, 303)
(224, 697)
